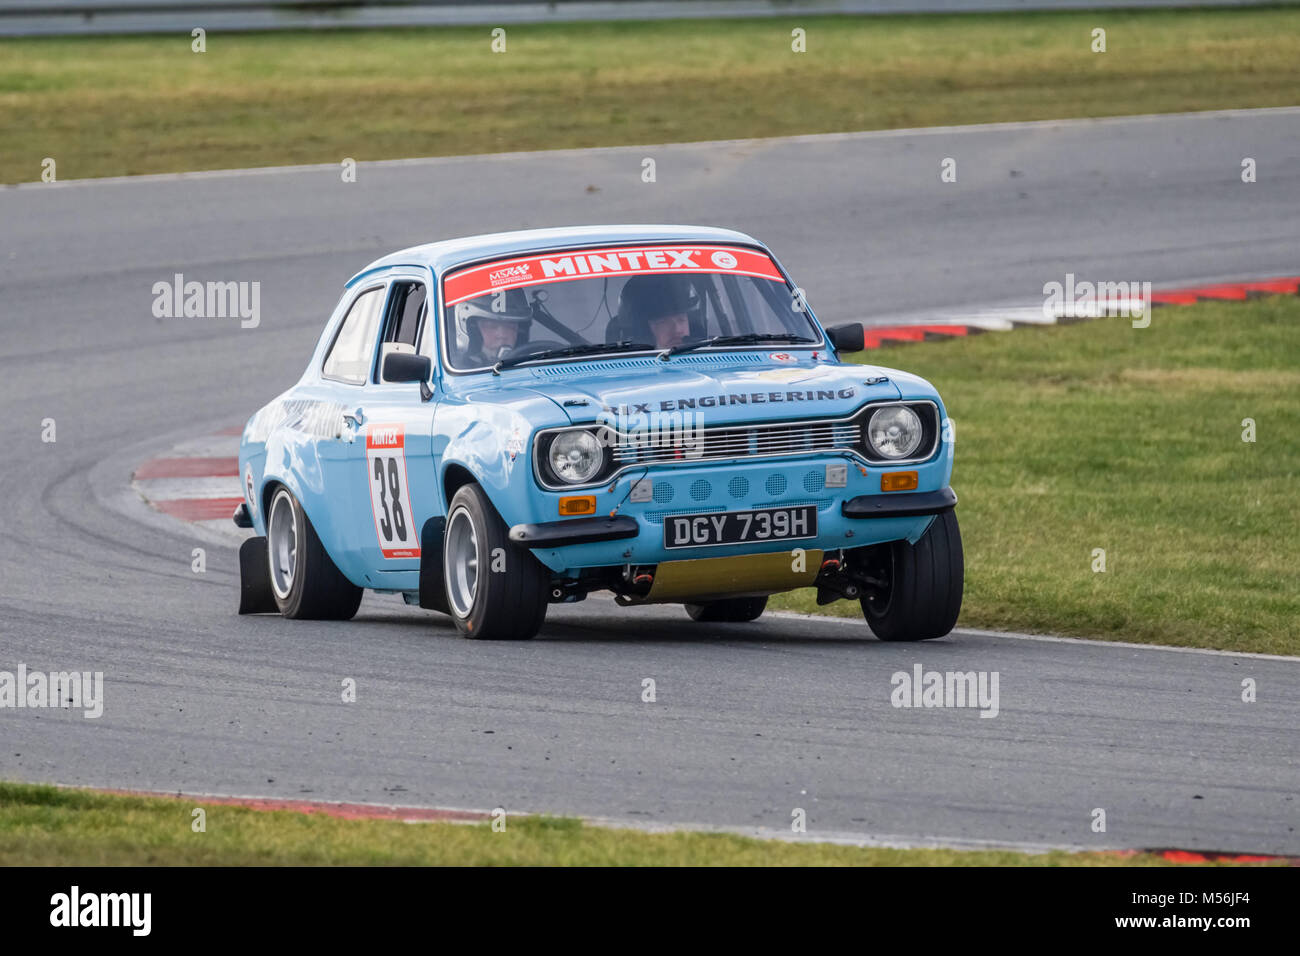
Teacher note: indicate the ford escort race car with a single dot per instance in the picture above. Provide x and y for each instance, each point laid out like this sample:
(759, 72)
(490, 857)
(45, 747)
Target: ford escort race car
(493, 424)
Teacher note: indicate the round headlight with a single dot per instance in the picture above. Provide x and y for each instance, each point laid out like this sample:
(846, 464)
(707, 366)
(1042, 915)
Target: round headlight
(576, 456)
(894, 432)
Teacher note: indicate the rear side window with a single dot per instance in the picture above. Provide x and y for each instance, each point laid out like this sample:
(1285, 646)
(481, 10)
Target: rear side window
(349, 357)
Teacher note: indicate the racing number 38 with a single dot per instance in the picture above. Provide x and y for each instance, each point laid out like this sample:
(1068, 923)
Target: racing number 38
(390, 498)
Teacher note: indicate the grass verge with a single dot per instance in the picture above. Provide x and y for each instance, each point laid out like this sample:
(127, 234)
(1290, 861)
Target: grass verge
(104, 106)
(1096, 435)
(50, 826)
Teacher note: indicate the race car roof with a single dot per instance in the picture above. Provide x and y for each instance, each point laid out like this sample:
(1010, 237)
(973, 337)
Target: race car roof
(449, 253)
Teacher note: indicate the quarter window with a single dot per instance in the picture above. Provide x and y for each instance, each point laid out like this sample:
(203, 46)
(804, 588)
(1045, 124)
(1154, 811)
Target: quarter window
(349, 357)
(404, 313)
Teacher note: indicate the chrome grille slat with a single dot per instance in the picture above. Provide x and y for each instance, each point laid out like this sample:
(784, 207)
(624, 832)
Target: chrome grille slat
(731, 441)
(716, 450)
(736, 434)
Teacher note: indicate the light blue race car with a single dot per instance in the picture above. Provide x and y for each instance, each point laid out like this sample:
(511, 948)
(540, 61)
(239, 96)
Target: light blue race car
(494, 424)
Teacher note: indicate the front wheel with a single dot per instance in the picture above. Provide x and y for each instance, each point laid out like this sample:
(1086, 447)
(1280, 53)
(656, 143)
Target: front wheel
(496, 590)
(733, 610)
(921, 596)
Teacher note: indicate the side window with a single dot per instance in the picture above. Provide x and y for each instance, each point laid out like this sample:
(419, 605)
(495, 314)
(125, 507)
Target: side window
(349, 357)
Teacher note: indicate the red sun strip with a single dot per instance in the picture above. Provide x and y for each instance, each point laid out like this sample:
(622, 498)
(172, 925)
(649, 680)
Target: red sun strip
(567, 265)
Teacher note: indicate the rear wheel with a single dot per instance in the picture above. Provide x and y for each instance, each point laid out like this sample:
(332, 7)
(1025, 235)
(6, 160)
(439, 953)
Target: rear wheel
(496, 590)
(921, 596)
(734, 610)
(305, 582)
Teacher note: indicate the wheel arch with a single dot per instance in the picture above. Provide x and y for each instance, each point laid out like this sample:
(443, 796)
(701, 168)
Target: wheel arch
(454, 477)
(269, 488)
(270, 485)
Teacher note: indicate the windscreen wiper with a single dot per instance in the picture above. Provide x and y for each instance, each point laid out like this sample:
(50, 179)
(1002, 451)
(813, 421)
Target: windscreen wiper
(749, 338)
(593, 348)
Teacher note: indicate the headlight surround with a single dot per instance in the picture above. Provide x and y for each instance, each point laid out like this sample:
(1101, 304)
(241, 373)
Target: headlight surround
(894, 432)
(574, 456)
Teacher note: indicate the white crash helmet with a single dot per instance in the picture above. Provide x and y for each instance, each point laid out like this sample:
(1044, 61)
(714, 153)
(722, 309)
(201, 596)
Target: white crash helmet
(511, 306)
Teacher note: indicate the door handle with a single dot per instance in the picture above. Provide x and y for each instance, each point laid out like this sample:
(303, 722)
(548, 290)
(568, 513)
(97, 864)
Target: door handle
(355, 419)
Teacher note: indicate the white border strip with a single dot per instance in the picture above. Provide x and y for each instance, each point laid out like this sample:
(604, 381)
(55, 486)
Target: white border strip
(1053, 639)
(803, 138)
(838, 837)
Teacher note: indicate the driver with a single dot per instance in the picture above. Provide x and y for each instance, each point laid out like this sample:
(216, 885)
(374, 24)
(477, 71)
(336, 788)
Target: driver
(490, 326)
(653, 308)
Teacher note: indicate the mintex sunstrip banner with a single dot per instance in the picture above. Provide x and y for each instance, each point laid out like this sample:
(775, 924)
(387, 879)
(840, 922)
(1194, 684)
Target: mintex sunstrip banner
(618, 261)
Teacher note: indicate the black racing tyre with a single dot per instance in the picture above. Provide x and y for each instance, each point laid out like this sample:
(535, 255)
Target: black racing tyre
(496, 590)
(925, 584)
(734, 610)
(305, 582)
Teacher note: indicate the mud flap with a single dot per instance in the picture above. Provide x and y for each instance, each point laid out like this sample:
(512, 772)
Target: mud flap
(433, 590)
(255, 594)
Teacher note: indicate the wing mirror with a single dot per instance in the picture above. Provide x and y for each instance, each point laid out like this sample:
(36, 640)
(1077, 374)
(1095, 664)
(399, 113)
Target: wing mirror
(848, 338)
(403, 367)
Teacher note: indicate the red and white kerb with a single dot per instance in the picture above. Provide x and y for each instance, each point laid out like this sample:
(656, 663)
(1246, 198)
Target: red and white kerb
(617, 260)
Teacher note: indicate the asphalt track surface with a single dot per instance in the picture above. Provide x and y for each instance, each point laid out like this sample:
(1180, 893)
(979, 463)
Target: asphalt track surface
(751, 721)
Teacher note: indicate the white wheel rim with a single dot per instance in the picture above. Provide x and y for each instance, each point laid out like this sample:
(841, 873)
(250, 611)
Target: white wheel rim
(460, 562)
(282, 544)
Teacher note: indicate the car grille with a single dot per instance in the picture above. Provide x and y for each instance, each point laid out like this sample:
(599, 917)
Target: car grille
(747, 441)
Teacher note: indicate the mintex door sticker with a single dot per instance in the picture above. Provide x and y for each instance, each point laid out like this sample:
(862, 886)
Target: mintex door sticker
(390, 497)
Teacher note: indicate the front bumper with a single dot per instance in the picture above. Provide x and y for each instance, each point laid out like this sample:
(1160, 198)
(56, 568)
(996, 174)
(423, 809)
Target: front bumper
(627, 533)
(559, 534)
(896, 505)
(571, 531)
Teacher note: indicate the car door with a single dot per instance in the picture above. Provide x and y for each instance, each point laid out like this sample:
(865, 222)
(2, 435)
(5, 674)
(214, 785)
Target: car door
(393, 450)
(340, 384)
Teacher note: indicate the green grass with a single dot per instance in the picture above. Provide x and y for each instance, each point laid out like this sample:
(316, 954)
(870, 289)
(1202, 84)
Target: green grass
(103, 106)
(1100, 435)
(42, 825)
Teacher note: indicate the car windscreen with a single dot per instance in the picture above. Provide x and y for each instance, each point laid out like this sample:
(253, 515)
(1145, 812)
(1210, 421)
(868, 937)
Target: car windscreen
(616, 299)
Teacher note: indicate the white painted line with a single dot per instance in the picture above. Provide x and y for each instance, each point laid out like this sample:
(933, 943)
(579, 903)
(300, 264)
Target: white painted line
(169, 489)
(1025, 315)
(806, 138)
(839, 837)
(848, 838)
(207, 446)
(999, 318)
(1051, 639)
(986, 322)
(1102, 642)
